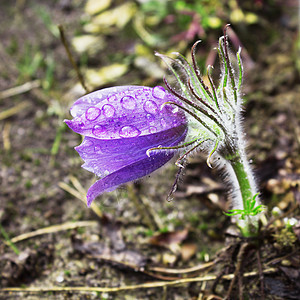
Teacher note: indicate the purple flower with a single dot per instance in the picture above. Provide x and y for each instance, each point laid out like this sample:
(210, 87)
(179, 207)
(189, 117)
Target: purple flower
(120, 124)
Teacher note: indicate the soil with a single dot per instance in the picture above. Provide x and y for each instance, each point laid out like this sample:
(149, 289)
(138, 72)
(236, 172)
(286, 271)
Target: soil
(134, 230)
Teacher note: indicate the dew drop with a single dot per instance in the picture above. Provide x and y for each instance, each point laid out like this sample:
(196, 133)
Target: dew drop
(92, 113)
(77, 110)
(163, 122)
(108, 110)
(128, 102)
(112, 98)
(175, 110)
(80, 123)
(152, 129)
(150, 107)
(150, 118)
(159, 92)
(97, 149)
(99, 130)
(143, 94)
(129, 131)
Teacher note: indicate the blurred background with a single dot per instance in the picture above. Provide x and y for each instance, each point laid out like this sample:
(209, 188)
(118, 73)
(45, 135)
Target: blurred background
(48, 237)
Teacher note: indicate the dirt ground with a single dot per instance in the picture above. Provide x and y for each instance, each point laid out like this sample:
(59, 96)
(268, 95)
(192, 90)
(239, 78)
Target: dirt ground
(133, 244)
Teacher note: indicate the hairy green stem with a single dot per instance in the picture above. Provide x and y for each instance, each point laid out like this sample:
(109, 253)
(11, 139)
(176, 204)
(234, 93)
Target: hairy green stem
(243, 179)
(248, 224)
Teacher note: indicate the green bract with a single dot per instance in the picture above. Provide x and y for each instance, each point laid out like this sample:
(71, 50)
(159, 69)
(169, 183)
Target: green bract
(214, 114)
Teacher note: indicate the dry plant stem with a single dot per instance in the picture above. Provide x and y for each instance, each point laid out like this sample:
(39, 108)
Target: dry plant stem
(228, 253)
(81, 196)
(214, 297)
(141, 208)
(53, 229)
(201, 293)
(70, 56)
(20, 89)
(237, 271)
(5, 136)
(261, 275)
(14, 110)
(198, 268)
(152, 213)
(148, 285)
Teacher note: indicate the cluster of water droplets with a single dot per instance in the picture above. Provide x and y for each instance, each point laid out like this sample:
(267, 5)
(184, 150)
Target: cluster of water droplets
(128, 114)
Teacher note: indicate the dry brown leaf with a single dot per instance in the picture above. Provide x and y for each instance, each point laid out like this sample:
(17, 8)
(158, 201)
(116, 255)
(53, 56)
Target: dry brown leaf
(188, 250)
(166, 239)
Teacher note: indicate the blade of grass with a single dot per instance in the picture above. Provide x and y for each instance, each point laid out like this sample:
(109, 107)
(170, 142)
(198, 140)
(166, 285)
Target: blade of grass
(8, 241)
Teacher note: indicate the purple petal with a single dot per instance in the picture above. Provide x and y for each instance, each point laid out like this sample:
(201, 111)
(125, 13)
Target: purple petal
(130, 172)
(130, 112)
(103, 157)
(92, 99)
(120, 124)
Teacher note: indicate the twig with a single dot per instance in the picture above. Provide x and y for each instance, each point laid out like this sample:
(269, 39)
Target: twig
(20, 89)
(237, 271)
(52, 229)
(280, 259)
(70, 56)
(228, 253)
(214, 297)
(79, 194)
(14, 110)
(153, 214)
(148, 285)
(261, 276)
(5, 136)
(141, 208)
(183, 271)
(202, 289)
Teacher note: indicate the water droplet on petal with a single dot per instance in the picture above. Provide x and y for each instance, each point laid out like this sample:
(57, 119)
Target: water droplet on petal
(143, 94)
(108, 110)
(150, 107)
(129, 131)
(87, 143)
(99, 130)
(112, 98)
(97, 149)
(163, 122)
(152, 129)
(128, 102)
(80, 123)
(175, 110)
(159, 92)
(150, 118)
(92, 113)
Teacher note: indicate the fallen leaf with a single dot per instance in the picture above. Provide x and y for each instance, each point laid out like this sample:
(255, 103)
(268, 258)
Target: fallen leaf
(166, 239)
(188, 250)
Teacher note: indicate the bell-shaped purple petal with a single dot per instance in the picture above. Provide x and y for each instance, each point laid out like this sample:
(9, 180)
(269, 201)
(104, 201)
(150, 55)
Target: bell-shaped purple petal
(103, 157)
(120, 124)
(135, 111)
(138, 168)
